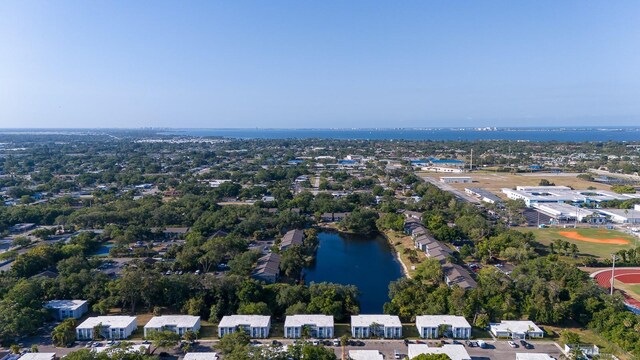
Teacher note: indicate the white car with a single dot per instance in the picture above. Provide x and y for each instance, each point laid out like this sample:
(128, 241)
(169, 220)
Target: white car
(315, 342)
(512, 344)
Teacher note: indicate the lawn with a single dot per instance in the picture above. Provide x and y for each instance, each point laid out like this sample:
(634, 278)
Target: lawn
(632, 290)
(546, 236)
(400, 242)
(586, 337)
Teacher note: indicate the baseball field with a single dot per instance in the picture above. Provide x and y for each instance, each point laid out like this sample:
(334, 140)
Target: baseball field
(590, 241)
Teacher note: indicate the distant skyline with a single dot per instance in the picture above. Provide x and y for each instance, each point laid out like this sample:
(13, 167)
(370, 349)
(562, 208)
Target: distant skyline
(324, 64)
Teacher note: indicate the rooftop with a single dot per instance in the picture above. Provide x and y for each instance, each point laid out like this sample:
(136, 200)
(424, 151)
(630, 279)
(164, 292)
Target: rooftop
(110, 321)
(532, 356)
(65, 304)
(437, 320)
(515, 326)
(367, 320)
(38, 356)
(201, 356)
(172, 320)
(365, 355)
(250, 320)
(455, 352)
(300, 320)
(292, 237)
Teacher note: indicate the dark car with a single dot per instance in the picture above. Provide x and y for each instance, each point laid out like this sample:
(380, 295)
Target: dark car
(526, 345)
(359, 343)
(276, 343)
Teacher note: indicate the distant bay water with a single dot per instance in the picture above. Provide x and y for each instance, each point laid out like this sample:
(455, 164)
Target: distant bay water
(516, 134)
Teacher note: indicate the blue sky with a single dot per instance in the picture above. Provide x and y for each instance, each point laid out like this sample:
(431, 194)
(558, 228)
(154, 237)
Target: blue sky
(319, 63)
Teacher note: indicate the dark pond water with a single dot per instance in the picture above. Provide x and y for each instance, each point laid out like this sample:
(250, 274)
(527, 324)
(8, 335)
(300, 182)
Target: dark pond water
(103, 250)
(366, 262)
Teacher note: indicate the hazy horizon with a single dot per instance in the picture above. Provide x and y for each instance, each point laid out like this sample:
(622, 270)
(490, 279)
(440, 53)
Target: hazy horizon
(320, 65)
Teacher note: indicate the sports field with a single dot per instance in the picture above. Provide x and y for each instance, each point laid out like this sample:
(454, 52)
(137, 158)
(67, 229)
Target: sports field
(590, 241)
(626, 279)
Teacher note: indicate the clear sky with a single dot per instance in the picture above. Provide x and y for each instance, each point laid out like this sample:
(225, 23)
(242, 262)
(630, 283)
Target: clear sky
(319, 63)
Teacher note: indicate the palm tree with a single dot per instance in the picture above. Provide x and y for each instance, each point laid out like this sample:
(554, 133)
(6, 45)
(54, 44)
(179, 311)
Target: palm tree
(344, 340)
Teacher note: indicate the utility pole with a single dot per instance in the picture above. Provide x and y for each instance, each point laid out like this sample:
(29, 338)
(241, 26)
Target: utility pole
(613, 271)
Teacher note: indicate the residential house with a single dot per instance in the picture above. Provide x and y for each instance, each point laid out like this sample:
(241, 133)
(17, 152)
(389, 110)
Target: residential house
(588, 350)
(385, 326)
(175, 232)
(112, 327)
(179, 324)
(200, 356)
(292, 238)
(457, 275)
(434, 326)
(516, 329)
(315, 326)
(257, 326)
(267, 268)
(63, 309)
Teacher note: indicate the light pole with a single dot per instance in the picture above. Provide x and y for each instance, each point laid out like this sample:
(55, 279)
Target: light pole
(613, 271)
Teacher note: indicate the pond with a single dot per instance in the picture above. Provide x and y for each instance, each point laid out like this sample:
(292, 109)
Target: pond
(103, 250)
(366, 262)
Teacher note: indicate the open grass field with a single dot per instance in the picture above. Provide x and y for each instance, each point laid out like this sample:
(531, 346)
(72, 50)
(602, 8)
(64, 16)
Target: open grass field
(587, 337)
(494, 182)
(600, 243)
(633, 290)
(400, 242)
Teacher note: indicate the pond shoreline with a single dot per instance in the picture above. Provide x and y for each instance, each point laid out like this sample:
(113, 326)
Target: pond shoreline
(366, 261)
(405, 268)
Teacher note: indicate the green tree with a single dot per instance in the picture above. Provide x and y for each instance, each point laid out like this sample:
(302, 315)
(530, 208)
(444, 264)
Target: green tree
(65, 333)
(163, 339)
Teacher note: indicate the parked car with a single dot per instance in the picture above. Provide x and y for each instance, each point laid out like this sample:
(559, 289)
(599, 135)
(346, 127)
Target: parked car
(336, 342)
(396, 354)
(512, 344)
(315, 343)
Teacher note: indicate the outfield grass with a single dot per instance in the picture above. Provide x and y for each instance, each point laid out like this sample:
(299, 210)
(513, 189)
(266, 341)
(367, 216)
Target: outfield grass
(546, 236)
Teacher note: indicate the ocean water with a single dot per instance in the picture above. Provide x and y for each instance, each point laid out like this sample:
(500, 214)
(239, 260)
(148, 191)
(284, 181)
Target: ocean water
(517, 134)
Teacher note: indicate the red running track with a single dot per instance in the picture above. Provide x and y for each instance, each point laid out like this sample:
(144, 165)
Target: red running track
(627, 276)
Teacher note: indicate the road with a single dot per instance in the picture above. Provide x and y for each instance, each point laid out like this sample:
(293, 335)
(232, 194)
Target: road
(446, 187)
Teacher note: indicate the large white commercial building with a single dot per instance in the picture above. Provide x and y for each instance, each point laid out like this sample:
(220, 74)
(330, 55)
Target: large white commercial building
(179, 324)
(565, 212)
(257, 326)
(112, 327)
(454, 352)
(622, 216)
(63, 309)
(516, 329)
(558, 194)
(456, 327)
(456, 179)
(318, 326)
(386, 326)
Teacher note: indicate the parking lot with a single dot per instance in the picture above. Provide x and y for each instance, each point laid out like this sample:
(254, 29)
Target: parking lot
(496, 350)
